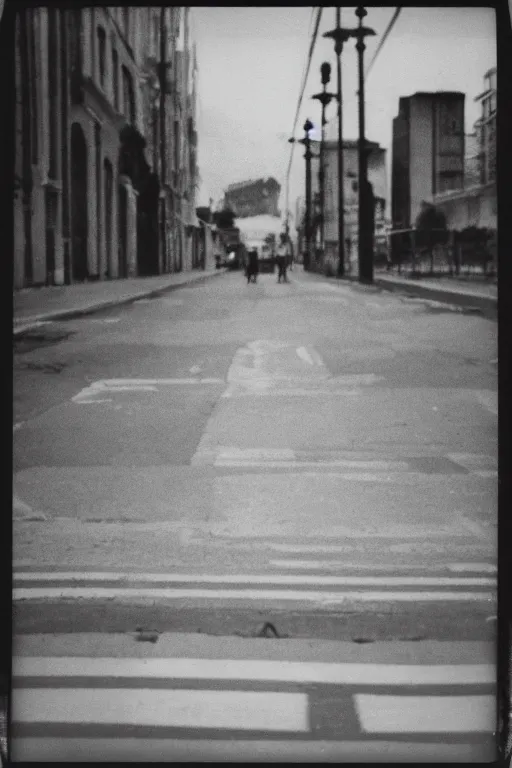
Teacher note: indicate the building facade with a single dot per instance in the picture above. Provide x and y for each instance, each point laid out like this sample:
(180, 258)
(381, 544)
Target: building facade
(89, 170)
(428, 152)
(485, 128)
(378, 180)
(253, 198)
(474, 204)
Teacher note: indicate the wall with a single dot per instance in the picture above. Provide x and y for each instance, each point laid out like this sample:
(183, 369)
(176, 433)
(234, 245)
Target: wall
(377, 178)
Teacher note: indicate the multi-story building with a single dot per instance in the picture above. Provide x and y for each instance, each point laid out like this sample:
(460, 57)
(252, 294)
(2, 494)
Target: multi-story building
(428, 152)
(485, 128)
(475, 205)
(253, 198)
(471, 160)
(376, 177)
(90, 163)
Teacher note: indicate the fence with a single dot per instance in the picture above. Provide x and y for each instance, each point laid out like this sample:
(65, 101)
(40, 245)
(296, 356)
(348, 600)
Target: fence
(471, 251)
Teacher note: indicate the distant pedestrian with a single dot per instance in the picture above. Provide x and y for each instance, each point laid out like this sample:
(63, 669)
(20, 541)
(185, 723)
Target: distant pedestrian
(252, 266)
(282, 260)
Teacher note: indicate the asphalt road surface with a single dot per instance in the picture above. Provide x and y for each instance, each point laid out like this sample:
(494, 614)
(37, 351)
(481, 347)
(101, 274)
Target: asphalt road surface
(256, 522)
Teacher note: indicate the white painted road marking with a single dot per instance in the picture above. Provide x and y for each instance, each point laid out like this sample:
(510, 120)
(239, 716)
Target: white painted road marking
(306, 596)
(426, 714)
(341, 565)
(256, 670)
(244, 578)
(133, 385)
(304, 355)
(240, 710)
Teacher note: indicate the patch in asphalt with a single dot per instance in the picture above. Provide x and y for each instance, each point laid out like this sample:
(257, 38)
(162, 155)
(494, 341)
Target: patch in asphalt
(35, 339)
(41, 367)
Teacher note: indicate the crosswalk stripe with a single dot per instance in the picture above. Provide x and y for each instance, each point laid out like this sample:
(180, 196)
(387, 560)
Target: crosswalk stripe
(367, 674)
(426, 714)
(318, 597)
(311, 565)
(194, 578)
(241, 710)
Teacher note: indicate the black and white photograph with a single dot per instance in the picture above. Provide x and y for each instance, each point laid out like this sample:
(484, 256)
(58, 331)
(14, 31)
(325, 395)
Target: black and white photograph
(255, 384)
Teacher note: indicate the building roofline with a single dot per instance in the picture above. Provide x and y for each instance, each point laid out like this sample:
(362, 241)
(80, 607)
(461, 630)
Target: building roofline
(432, 94)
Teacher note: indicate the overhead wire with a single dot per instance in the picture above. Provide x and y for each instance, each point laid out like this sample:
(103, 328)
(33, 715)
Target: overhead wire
(301, 95)
(383, 40)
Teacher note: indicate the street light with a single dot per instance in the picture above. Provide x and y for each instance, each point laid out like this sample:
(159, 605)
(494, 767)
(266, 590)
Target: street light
(325, 99)
(340, 36)
(365, 196)
(307, 127)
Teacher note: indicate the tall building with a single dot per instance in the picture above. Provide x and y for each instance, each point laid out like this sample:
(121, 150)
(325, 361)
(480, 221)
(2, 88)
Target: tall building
(428, 152)
(485, 128)
(253, 198)
(471, 160)
(376, 177)
(100, 195)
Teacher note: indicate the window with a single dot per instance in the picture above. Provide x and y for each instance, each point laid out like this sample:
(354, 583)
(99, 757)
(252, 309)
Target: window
(34, 125)
(128, 96)
(156, 41)
(53, 83)
(115, 77)
(75, 54)
(101, 54)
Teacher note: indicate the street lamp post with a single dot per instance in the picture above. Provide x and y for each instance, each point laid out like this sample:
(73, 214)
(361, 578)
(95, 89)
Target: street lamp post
(308, 126)
(340, 36)
(365, 196)
(325, 99)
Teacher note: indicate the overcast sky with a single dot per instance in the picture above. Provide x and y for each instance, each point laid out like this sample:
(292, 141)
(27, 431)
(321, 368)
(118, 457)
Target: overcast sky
(251, 62)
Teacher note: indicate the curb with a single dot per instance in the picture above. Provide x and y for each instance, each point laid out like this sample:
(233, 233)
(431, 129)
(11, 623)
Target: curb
(487, 305)
(33, 321)
(472, 302)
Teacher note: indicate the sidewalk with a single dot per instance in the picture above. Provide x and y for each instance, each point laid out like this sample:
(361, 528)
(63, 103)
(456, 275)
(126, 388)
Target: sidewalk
(482, 297)
(32, 306)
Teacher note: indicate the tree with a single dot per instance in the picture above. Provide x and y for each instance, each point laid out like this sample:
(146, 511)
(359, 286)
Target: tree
(224, 219)
(431, 230)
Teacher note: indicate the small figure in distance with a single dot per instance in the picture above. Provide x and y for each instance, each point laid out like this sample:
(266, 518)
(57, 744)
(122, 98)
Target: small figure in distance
(282, 258)
(252, 266)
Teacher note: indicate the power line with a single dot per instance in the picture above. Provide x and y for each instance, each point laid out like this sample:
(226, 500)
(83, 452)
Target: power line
(303, 88)
(383, 39)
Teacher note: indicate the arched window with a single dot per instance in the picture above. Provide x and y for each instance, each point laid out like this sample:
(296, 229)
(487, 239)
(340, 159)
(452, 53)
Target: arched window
(101, 53)
(128, 96)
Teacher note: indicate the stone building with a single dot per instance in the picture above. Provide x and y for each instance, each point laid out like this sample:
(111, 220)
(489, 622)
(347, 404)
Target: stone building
(253, 198)
(378, 180)
(474, 204)
(88, 165)
(428, 152)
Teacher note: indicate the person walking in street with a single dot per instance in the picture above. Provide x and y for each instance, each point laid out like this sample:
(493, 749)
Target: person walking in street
(252, 266)
(282, 259)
